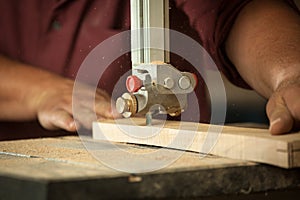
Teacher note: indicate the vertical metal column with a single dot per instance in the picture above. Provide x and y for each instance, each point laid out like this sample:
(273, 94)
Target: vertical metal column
(137, 38)
(147, 14)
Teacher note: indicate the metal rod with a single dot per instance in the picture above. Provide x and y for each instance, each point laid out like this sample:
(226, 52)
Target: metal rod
(146, 14)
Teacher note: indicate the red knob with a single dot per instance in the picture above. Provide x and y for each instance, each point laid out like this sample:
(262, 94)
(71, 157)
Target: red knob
(196, 79)
(133, 83)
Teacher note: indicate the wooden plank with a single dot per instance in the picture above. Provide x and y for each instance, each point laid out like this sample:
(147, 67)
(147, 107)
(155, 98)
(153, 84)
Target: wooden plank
(252, 144)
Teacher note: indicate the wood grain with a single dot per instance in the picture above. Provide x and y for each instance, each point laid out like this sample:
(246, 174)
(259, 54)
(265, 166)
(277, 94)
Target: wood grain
(251, 144)
(66, 158)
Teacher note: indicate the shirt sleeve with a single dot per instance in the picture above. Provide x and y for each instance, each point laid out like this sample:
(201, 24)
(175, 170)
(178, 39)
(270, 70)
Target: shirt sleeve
(213, 21)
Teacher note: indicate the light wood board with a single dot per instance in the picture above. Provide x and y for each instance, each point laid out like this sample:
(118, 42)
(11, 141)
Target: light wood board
(251, 144)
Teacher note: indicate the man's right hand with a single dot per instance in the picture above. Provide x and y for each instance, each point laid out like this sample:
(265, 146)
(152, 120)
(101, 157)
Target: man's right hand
(54, 105)
(28, 93)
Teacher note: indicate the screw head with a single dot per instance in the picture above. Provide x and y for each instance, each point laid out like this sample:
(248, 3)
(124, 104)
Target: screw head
(184, 82)
(122, 105)
(126, 105)
(169, 83)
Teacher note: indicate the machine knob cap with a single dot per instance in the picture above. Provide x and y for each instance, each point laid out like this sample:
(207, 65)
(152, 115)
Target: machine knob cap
(122, 105)
(184, 82)
(196, 79)
(133, 83)
(127, 105)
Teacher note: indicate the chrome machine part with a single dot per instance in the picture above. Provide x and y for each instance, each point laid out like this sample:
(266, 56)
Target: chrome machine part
(149, 101)
(127, 105)
(146, 14)
(154, 87)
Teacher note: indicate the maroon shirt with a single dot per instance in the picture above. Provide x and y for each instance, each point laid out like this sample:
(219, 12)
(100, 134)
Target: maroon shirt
(57, 35)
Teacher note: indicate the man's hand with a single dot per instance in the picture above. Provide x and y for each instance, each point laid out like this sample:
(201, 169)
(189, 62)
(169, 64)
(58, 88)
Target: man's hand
(28, 93)
(264, 46)
(283, 108)
(54, 105)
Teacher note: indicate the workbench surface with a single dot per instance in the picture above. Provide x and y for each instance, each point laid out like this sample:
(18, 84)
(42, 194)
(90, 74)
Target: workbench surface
(62, 168)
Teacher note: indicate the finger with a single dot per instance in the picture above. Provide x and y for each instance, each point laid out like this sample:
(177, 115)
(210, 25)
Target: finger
(291, 98)
(103, 94)
(104, 109)
(57, 119)
(114, 112)
(86, 117)
(281, 120)
(85, 92)
(99, 103)
(86, 112)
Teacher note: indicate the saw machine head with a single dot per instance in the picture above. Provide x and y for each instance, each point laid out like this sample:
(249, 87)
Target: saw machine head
(155, 87)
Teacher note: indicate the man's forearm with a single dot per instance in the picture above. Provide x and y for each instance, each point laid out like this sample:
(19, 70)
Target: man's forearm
(264, 45)
(17, 81)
